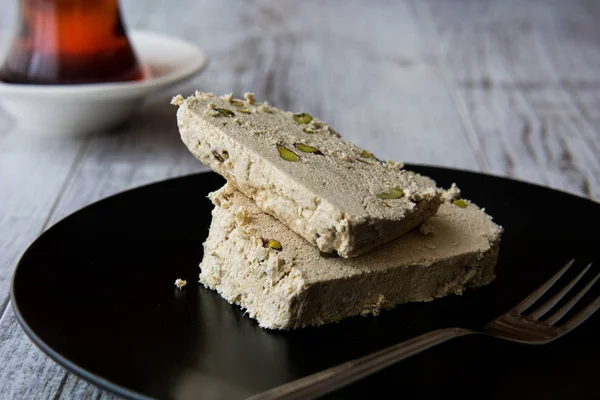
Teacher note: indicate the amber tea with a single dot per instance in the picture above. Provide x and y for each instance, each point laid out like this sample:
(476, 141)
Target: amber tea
(70, 42)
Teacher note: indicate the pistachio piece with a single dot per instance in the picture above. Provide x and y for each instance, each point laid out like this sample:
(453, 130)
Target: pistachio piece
(272, 244)
(333, 254)
(394, 193)
(218, 156)
(302, 118)
(225, 112)
(367, 154)
(460, 203)
(307, 149)
(333, 132)
(287, 154)
(244, 110)
(225, 155)
(238, 103)
(309, 130)
(258, 132)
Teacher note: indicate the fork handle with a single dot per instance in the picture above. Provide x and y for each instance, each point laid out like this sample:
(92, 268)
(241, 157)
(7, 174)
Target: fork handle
(338, 376)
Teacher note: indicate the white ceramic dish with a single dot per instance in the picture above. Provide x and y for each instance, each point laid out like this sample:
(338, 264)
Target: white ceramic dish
(75, 110)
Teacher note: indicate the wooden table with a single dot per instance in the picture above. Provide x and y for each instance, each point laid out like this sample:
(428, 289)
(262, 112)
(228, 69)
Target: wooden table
(508, 87)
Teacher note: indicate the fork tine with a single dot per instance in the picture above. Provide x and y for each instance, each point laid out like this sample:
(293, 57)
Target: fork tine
(557, 297)
(582, 316)
(533, 297)
(567, 307)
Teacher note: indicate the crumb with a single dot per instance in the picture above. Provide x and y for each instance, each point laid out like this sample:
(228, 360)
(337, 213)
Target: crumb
(177, 100)
(398, 165)
(345, 157)
(180, 283)
(265, 107)
(426, 229)
(451, 194)
(374, 309)
(198, 93)
(331, 131)
(418, 196)
(227, 97)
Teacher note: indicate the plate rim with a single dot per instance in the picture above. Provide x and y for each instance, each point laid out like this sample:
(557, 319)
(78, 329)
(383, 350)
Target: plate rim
(69, 365)
(115, 89)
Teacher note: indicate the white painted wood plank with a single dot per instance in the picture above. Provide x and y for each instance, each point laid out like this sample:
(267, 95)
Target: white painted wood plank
(76, 388)
(378, 86)
(527, 74)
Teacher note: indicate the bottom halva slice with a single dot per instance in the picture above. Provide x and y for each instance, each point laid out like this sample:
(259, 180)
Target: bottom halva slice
(253, 260)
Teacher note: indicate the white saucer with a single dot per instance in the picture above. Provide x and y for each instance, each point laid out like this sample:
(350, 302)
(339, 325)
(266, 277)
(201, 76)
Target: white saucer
(75, 110)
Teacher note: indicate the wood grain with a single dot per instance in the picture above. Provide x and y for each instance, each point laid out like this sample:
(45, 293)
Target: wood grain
(529, 81)
(508, 87)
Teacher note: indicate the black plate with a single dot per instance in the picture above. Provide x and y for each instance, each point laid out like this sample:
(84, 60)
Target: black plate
(96, 293)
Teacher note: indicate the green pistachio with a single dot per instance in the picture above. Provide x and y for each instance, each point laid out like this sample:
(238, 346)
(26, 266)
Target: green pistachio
(367, 154)
(460, 203)
(225, 112)
(333, 132)
(238, 103)
(394, 193)
(287, 154)
(302, 118)
(274, 244)
(306, 148)
(218, 156)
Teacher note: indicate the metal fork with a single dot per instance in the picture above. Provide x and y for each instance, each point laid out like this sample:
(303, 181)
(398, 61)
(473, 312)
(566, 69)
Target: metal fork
(513, 326)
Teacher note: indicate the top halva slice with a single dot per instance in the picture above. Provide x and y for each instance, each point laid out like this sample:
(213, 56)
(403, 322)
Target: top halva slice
(336, 195)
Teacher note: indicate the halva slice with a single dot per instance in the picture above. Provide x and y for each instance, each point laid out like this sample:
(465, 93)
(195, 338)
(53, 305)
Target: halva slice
(337, 196)
(253, 260)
